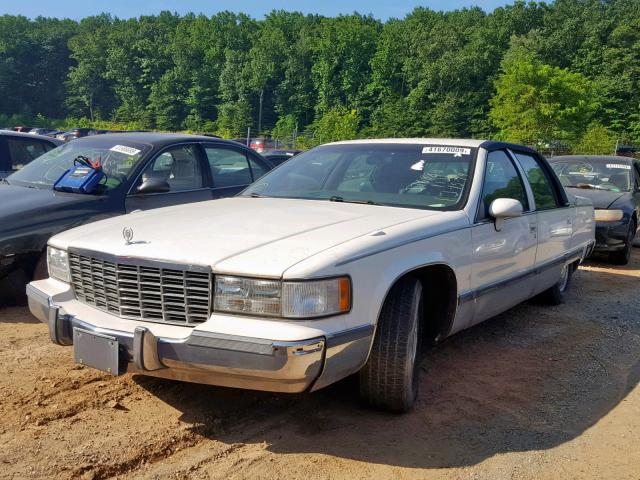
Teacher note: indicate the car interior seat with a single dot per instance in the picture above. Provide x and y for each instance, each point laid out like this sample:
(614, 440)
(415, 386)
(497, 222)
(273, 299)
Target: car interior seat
(392, 177)
(185, 171)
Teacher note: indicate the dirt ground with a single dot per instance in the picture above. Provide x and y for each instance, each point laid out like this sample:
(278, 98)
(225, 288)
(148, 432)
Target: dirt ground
(536, 393)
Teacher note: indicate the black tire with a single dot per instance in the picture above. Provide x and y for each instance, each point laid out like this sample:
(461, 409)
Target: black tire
(622, 257)
(390, 378)
(556, 294)
(13, 288)
(42, 270)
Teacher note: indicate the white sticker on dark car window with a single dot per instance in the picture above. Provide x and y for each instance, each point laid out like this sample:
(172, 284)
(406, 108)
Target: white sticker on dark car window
(619, 165)
(418, 166)
(124, 149)
(455, 151)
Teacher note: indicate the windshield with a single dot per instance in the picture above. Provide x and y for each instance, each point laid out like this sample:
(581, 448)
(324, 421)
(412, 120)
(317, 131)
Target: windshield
(402, 175)
(117, 161)
(610, 174)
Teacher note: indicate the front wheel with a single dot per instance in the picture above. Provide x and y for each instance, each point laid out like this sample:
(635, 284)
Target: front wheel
(390, 378)
(623, 256)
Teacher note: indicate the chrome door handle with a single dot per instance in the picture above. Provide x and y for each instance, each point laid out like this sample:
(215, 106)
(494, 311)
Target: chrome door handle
(533, 228)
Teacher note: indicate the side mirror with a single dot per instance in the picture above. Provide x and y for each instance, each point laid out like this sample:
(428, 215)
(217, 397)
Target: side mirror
(503, 208)
(154, 185)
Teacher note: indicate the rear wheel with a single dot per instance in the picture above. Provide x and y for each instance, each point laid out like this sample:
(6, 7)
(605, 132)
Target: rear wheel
(622, 257)
(390, 378)
(556, 294)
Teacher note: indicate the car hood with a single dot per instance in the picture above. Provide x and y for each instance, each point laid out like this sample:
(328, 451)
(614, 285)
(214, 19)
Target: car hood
(256, 236)
(25, 211)
(600, 198)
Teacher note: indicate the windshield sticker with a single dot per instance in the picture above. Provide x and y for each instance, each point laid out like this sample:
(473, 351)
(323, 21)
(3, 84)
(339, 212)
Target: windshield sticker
(124, 149)
(619, 165)
(418, 166)
(455, 151)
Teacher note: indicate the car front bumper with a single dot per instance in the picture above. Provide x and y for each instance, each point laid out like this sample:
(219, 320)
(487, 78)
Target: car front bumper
(611, 236)
(200, 356)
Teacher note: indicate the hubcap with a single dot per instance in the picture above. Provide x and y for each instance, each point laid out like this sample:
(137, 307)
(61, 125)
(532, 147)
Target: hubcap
(564, 278)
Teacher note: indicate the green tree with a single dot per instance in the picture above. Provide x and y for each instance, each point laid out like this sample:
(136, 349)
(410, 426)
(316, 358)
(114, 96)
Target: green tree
(90, 92)
(235, 110)
(284, 129)
(341, 69)
(338, 123)
(596, 140)
(537, 103)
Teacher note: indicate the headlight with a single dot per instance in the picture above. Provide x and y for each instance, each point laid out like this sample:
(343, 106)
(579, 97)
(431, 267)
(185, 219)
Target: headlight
(58, 263)
(304, 299)
(609, 215)
(246, 295)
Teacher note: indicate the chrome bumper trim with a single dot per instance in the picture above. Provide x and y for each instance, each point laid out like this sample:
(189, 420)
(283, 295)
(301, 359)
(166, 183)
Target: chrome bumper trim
(202, 357)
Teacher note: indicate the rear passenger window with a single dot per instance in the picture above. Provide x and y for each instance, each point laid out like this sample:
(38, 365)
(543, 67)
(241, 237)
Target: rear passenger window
(539, 181)
(501, 180)
(229, 168)
(22, 151)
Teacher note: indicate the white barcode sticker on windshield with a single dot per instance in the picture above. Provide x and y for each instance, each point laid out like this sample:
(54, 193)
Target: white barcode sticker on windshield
(619, 165)
(455, 151)
(124, 149)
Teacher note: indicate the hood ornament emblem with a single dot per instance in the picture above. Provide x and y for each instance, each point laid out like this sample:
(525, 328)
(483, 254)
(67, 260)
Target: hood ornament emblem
(127, 233)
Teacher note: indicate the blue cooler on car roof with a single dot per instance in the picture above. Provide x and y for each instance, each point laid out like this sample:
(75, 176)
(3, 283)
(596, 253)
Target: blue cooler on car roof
(81, 178)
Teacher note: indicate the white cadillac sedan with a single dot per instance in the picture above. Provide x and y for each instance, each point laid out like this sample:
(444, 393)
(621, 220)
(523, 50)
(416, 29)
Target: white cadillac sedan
(350, 258)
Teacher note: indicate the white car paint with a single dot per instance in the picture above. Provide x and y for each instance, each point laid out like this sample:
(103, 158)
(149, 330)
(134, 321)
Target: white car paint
(305, 239)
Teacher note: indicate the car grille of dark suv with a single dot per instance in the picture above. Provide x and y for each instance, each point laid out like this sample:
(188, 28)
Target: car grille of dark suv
(142, 292)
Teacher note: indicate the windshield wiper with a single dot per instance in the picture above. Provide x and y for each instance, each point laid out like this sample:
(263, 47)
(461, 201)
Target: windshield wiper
(338, 198)
(589, 186)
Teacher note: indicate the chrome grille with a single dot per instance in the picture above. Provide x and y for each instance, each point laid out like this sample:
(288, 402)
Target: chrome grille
(142, 292)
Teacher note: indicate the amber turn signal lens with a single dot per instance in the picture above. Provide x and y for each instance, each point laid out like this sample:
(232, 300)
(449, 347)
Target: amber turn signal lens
(345, 294)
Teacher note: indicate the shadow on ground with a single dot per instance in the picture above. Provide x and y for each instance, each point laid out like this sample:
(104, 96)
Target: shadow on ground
(529, 379)
(16, 315)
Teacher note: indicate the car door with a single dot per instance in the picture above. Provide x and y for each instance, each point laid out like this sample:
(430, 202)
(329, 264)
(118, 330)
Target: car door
(555, 221)
(503, 260)
(184, 171)
(232, 169)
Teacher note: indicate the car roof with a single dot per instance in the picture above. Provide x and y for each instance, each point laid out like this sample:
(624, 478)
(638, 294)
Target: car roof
(596, 158)
(8, 133)
(154, 138)
(458, 142)
(462, 142)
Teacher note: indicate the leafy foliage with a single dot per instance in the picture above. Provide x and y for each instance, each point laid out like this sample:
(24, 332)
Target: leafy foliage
(535, 102)
(538, 73)
(597, 140)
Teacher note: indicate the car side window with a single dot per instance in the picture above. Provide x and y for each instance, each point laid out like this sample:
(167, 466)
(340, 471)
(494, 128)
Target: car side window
(637, 165)
(229, 168)
(543, 192)
(178, 166)
(501, 180)
(22, 151)
(257, 169)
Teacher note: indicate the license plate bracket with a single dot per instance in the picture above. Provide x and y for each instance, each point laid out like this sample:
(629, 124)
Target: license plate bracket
(96, 350)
